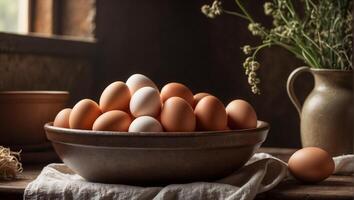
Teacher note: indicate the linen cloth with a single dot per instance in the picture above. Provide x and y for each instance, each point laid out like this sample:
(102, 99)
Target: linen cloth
(261, 173)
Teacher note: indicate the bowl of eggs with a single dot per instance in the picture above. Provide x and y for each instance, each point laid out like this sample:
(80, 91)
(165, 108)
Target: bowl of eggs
(138, 134)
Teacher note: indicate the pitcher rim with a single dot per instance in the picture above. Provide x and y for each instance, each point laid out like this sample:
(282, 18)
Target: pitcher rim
(330, 70)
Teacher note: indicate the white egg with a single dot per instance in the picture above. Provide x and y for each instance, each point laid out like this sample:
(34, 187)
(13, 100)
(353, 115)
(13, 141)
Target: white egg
(145, 124)
(145, 102)
(137, 81)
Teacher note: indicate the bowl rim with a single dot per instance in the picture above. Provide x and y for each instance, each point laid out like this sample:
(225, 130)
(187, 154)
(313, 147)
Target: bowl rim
(261, 126)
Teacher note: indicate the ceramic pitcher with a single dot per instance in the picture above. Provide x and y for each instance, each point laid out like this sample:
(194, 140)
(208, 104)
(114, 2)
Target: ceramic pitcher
(327, 113)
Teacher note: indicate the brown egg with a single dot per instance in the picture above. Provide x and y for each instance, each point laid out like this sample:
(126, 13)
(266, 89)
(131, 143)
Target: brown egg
(84, 114)
(114, 120)
(211, 115)
(197, 97)
(177, 115)
(177, 90)
(311, 164)
(241, 115)
(62, 118)
(116, 96)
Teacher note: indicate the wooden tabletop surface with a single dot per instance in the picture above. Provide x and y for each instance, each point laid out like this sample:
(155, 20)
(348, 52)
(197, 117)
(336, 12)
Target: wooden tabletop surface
(333, 188)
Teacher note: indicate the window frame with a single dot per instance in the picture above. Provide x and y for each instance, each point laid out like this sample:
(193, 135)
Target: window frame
(48, 45)
(57, 17)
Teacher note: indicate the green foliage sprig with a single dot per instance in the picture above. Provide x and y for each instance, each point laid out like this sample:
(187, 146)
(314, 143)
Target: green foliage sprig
(320, 33)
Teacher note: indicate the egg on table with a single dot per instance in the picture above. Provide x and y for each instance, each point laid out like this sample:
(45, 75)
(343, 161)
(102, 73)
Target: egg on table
(114, 120)
(177, 115)
(84, 114)
(62, 118)
(115, 96)
(210, 114)
(145, 124)
(177, 90)
(311, 164)
(145, 102)
(137, 81)
(241, 115)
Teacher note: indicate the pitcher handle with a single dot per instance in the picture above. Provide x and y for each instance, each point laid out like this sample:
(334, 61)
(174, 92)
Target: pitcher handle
(290, 87)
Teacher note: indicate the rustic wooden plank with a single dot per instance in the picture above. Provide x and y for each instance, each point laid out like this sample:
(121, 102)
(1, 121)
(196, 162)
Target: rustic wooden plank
(47, 45)
(19, 184)
(335, 187)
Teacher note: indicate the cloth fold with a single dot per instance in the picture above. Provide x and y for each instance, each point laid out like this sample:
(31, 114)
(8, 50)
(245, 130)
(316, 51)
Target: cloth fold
(261, 173)
(344, 164)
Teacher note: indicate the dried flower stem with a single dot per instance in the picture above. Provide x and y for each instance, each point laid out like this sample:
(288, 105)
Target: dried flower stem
(321, 35)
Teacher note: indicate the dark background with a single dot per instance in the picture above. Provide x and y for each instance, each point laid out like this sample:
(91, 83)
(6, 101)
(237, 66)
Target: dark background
(170, 40)
(167, 40)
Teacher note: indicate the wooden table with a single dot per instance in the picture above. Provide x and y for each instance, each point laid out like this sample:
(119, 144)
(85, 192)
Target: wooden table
(333, 188)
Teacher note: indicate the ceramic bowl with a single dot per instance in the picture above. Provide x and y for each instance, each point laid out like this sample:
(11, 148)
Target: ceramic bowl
(23, 114)
(155, 158)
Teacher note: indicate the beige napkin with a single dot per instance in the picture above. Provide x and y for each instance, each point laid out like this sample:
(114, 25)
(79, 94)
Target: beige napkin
(344, 165)
(262, 173)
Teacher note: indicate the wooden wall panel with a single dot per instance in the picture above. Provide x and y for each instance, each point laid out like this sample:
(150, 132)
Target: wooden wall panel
(45, 72)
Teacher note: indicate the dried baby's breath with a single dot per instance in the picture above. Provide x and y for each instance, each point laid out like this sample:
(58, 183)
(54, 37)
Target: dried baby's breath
(9, 163)
(212, 11)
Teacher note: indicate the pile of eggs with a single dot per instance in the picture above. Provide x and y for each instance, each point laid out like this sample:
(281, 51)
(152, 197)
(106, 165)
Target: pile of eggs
(138, 106)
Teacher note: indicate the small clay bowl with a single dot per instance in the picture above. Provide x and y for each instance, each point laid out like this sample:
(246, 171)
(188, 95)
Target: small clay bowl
(23, 114)
(155, 158)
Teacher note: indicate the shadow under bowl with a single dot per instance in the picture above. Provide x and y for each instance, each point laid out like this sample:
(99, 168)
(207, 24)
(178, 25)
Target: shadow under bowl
(155, 158)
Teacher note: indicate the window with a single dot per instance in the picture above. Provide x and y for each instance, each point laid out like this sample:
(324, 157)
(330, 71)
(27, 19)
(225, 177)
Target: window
(48, 17)
(44, 24)
(14, 16)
